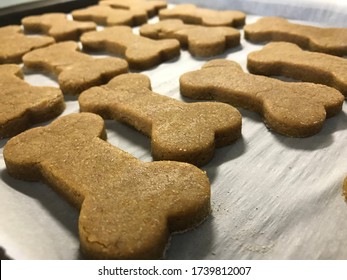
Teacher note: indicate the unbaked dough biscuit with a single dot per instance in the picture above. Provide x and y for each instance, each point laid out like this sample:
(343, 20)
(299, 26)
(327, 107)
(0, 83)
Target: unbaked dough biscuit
(200, 40)
(326, 40)
(179, 131)
(289, 60)
(22, 105)
(57, 25)
(190, 13)
(140, 52)
(292, 109)
(128, 208)
(14, 44)
(76, 71)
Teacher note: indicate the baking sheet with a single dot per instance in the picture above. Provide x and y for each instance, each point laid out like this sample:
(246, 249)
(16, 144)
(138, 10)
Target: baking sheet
(273, 197)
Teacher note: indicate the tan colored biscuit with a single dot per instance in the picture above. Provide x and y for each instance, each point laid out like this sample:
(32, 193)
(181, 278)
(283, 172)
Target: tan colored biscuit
(76, 71)
(179, 131)
(200, 40)
(128, 208)
(57, 25)
(190, 13)
(345, 188)
(140, 52)
(292, 109)
(23, 105)
(14, 44)
(151, 7)
(105, 15)
(289, 60)
(326, 40)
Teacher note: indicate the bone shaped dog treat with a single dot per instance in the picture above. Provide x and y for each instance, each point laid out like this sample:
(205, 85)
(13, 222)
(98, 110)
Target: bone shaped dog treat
(289, 60)
(105, 15)
(14, 44)
(140, 52)
(151, 7)
(326, 40)
(189, 13)
(179, 131)
(22, 104)
(76, 71)
(127, 207)
(200, 40)
(57, 25)
(292, 109)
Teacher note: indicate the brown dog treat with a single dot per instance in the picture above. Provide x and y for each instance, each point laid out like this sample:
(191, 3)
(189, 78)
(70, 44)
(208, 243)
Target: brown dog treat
(57, 25)
(179, 131)
(140, 52)
(128, 208)
(289, 60)
(23, 105)
(105, 15)
(14, 44)
(326, 40)
(189, 13)
(151, 7)
(200, 40)
(76, 71)
(292, 109)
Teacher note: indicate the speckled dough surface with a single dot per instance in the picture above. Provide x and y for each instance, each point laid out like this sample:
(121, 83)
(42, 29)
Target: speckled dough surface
(292, 109)
(127, 208)
(200, 40)
(190, 13)
(140, 52)
(289, 60)
(14, 44)
(76, 71)
(326, 40)
(23, 105)
(179, 131)
(57, 25)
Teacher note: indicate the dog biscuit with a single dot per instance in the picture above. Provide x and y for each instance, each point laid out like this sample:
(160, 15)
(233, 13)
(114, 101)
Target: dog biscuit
(76, 71)
(289, 60)
(179, 131)
(292, 109)
(200, 40)
(326, 40)
(190, 13)
(57, 25)
(14, 44)
(140, 52)
(23, 105)
(105, 15)
(128, 208)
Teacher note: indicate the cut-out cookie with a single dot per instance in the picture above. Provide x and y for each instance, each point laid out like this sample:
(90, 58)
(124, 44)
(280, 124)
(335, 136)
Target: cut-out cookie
(23, 105)
(14, 44)
(292, 109)
(326, 40)
(200, 40)
(289, 60)
(105, 15)
(140, 52)
(57, 25)
(179, 131)
(76, 71)
(190, 13)
(151, 7)
(128, 208)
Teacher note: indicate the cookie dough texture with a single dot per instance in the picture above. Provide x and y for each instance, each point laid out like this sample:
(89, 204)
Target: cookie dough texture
(291, 109)
(128, 208)
(287, 59)
(179, 131)
(23, 105)
(327, 40)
